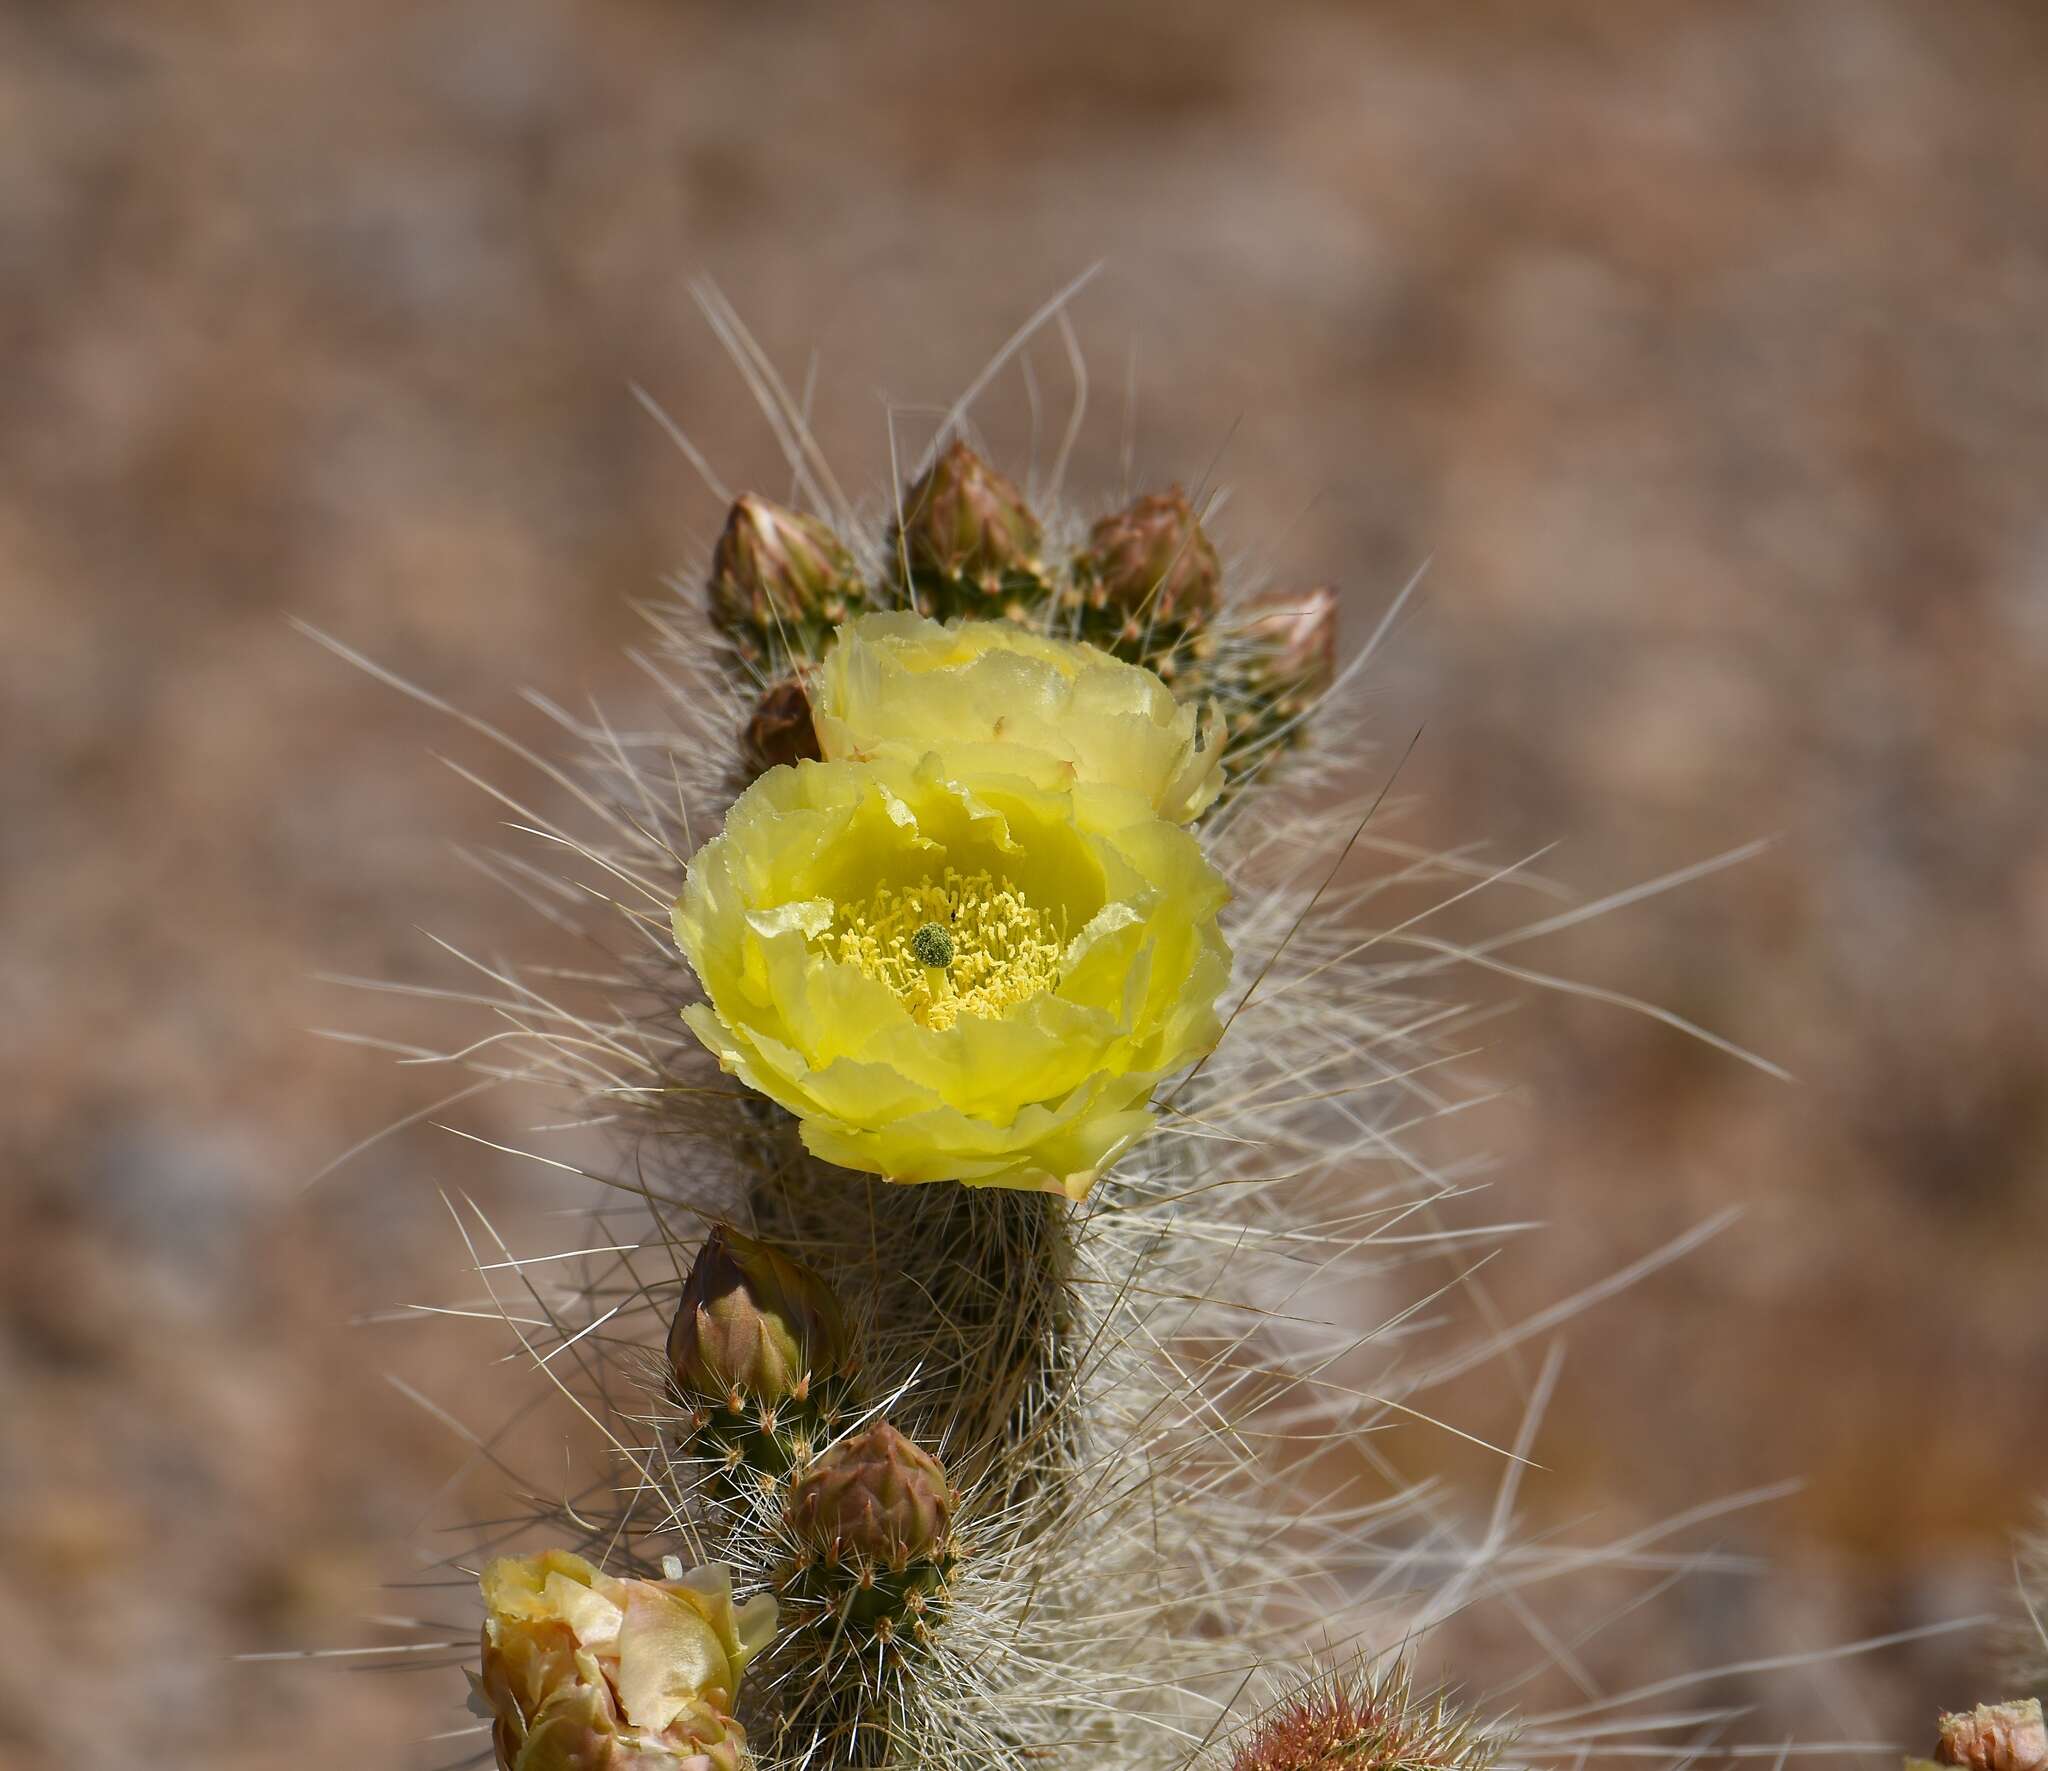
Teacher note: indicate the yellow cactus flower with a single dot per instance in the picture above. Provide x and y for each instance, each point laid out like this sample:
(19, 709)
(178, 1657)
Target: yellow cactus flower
(583, 1671)
(980, 689)
(955, 973)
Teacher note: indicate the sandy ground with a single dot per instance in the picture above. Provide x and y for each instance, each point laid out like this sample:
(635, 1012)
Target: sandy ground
(1699, 347)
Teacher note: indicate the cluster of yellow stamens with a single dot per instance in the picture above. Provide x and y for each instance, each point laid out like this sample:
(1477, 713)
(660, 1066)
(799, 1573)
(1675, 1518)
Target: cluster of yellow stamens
(1003, 948)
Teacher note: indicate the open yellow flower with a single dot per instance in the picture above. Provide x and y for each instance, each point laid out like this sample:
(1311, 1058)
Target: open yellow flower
(586, 1672)
(952, 972)
(981, 690)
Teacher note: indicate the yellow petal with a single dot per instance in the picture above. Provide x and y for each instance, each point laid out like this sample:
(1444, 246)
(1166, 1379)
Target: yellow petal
(1085, 963)
(897, 682)
(669, 1656)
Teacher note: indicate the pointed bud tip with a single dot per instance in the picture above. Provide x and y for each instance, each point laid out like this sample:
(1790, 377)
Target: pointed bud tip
(1152, 561)
(964, 520)
(773, 566)
(755, 1322)
(875, 1494)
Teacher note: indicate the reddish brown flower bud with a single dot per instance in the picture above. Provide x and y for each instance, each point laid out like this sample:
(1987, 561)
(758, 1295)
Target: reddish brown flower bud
(964, 520)
(874, 1494)
(775, 570)
(1151, 562)
(1299, 630)
(781, 729)
(754, 1322)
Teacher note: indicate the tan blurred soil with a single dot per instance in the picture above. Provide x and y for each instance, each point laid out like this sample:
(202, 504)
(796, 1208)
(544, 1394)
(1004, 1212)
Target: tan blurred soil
(1700, 345)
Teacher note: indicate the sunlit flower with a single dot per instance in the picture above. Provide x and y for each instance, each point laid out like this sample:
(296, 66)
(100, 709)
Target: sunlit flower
(948, 970)
(980, 690)
(583, 1671)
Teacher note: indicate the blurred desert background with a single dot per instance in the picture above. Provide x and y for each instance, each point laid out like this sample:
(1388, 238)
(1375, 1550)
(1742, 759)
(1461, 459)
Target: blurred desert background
(1703, 348)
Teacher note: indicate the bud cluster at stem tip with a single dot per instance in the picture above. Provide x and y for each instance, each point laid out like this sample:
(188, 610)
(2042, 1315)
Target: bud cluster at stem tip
(1146, 587)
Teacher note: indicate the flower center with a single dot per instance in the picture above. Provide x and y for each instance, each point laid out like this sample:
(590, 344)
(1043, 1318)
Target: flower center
(953, 946)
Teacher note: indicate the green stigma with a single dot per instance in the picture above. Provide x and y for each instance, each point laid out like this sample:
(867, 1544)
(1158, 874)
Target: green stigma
(933, 945)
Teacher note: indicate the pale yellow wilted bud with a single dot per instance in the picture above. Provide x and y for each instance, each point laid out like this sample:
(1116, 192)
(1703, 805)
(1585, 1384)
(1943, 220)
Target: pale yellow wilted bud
(583, 1671)
(1994, 1737)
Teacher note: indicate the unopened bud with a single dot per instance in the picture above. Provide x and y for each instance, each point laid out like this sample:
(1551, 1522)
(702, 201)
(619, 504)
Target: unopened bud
(776, 569)
(964, 520)
(755, 1322)
(875, 1494)
(1151, 562)
(781, 730)
(1995, 1737)
(1297, 631)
